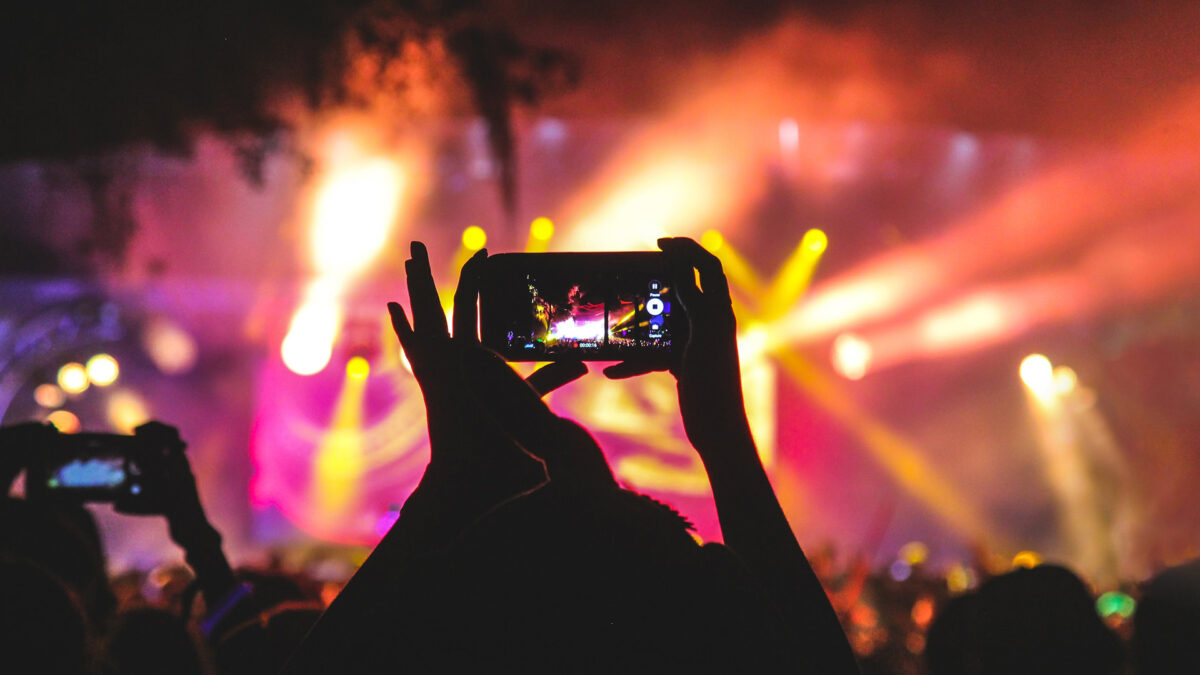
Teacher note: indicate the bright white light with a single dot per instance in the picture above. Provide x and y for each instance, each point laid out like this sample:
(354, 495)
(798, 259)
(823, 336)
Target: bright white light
(851, 356)
(73, 378)
(1038, 376)
(568, 329)
(102, 370)
(752, 343)
(789, 136)
(353, 215)
(309, 343)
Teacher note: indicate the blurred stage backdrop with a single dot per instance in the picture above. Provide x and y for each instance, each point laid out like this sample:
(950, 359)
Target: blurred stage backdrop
(972, 343)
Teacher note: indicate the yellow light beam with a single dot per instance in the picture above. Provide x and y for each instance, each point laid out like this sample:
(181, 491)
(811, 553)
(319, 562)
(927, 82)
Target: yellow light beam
(338, 462)
(541, 230)
(793, 278)
(897, 455)
(739, 272)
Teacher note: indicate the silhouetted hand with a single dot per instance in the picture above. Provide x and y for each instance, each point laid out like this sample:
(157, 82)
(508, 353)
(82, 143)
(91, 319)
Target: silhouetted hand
(19, 445)
(170, 491)
(714, 417)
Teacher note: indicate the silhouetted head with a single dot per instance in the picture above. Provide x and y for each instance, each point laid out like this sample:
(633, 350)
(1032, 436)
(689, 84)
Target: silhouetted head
(264, 643)
(1028, 622)
(1166, 627)
(583, 581)
(64, 539)
(147, 641)
(42, 624)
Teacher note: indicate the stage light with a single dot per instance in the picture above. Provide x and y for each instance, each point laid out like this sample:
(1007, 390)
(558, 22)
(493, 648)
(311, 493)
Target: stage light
(712, 240)
(102, 370)
(815, 241)
(73, 378)
(127, 411)
(851, 356)
(357, 368)
(49, 395)
(789, 136)
(795, 274)
(474, 238)
(914, 553)
(1038, 376)
(170, 347)
(1065, 380)
(309, 343)
(64, 420)
(960, 578)
(541, 229)
(353, 215)
(752, 343)
(1115, 602)
(1027, 559)
(900, 570)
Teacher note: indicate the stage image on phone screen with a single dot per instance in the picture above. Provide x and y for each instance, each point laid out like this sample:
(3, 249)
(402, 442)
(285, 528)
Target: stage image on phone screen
(94, 472)
(588, 306)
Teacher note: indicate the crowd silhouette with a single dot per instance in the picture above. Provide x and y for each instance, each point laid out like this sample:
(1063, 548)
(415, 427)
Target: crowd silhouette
(520, 552)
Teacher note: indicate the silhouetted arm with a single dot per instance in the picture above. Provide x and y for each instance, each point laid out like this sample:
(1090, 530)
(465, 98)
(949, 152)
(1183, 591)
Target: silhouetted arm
(752, 522)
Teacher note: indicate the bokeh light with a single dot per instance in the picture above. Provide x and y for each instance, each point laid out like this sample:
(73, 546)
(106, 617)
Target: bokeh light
(541, 228)
(1027, 559)
(1038, 376)
(1065, 380)
(474, 238)
(851, 356)
(357, 368)
(102, 370)
(73, 378)
(127, 411)
(172, 349)
(1115, 602)
(914, 552)
(712, 240)
(49, 395)
(64, 420)
(815, 241)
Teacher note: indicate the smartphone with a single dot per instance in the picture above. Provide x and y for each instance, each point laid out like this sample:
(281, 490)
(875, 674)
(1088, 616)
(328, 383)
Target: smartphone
(89, 467)
(580, 306)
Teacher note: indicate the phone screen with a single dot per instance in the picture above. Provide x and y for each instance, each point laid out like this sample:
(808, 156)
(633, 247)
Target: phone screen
(89, 467)
(587, 306)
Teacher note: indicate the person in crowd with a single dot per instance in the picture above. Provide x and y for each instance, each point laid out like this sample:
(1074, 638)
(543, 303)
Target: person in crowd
(1166, 626)
(1035, 621)
(518, 549)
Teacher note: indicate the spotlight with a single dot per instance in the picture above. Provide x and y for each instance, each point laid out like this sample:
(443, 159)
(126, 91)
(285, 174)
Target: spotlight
(357, 368)
(73, 378)
(474, 238)
(102, 370)
(1064, 380)
(712, 240)
(815, 241)
(851, 356)
(1038, 376)
(541, 229)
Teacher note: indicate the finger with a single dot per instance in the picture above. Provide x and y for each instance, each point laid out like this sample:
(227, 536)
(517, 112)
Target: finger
(554, 375)
(466, 299)
(428, 316)
(627, 369)
(404, 331)
(712, 275)
(683, 277)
